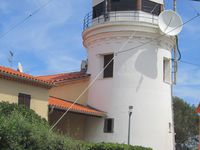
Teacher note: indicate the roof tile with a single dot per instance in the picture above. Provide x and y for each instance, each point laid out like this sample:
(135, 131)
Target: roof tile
(19, 76)
(64, 77)
(63, 104)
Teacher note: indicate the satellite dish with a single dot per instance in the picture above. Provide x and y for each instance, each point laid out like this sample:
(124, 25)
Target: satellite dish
(20, 68)
(170, 23)
(84, 64)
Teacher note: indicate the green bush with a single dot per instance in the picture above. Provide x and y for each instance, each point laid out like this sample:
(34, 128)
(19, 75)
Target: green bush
(23, 129)
(111, 146)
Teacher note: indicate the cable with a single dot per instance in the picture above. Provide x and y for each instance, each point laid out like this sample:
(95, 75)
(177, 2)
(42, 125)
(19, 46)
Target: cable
(25, 19)
(189, 63)
(91, 83)
(177, 45)
(120, 51)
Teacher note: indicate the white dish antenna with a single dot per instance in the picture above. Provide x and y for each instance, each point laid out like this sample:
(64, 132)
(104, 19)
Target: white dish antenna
(84, 65)
(20, 68)
(170, 23)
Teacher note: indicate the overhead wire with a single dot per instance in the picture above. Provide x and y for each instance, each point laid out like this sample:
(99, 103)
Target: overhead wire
(189, 63)
(25, 19)
(119, 52)
(91, 83)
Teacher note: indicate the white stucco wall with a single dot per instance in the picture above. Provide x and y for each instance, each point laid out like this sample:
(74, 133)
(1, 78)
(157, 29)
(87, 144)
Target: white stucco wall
(137, 81)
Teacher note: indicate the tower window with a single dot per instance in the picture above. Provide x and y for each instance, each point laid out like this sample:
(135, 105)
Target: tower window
(109, 125)
(24, 99)
(166, 70)
(108, 71)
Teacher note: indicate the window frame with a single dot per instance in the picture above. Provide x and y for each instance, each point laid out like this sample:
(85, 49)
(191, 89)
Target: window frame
(106, 127)
(106, 73)
(24, 99)
(167, 75)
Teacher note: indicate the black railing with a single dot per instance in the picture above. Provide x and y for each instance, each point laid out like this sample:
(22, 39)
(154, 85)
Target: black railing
(130, 16)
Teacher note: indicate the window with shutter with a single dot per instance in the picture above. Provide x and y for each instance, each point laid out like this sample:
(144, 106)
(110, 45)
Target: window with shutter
(24, 99)
(109, 125)
(108, 71)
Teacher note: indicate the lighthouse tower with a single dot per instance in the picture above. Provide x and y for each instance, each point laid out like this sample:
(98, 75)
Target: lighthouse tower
(139, 77)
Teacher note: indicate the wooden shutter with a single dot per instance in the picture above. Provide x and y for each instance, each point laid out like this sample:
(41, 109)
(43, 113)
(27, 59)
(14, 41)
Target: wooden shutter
(24, 99)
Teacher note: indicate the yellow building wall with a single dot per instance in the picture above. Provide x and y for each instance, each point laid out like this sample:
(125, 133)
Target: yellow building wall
(70, 91)
(9, 91)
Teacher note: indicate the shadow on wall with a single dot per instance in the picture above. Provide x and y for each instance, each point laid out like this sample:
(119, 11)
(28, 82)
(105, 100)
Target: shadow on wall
(142, 62)
(146, 64)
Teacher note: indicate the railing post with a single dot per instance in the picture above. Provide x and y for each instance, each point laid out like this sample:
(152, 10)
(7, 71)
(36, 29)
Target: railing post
(84, 24)
(88, 20)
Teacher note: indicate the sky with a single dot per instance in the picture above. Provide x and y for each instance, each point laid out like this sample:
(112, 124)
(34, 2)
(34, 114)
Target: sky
(50, 41)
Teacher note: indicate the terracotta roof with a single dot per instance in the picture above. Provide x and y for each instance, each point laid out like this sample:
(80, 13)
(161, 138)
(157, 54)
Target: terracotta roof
(12, 74)
(198, 109)
(57, 78)
(63, 104)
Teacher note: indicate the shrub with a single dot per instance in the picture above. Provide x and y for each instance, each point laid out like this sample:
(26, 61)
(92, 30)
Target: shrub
(23, 129)
(111, 146)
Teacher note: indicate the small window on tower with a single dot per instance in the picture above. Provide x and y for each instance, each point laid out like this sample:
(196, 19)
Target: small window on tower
(108, 63)
(109, 125)
(166, 70)
(24, 99)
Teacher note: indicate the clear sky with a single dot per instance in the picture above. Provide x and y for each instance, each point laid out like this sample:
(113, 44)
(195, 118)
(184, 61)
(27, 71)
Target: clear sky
(50, 41)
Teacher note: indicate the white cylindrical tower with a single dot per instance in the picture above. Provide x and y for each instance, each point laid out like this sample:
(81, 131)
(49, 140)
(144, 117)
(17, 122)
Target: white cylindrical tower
(139, 77)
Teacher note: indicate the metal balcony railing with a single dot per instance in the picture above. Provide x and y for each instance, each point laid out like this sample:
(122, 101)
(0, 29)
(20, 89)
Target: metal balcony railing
(119, 16)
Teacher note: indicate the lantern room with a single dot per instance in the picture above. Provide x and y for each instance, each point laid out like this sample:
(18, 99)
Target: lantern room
(123, 10)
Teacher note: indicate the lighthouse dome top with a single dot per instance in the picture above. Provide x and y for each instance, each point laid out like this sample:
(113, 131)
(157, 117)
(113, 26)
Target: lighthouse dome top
(95, 2)
(104, 11)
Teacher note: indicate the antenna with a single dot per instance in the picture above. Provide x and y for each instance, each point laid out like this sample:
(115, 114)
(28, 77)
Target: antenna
(20, 68)
(10, 58)
(170, 23)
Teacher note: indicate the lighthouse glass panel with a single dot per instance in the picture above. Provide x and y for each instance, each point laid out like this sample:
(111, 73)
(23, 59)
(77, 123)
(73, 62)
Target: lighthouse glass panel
(151, 7)
(108, 65)
(121, 5)
(98, 10)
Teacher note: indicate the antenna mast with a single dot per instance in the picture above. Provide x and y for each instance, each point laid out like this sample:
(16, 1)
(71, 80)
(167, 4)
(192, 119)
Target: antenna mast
(10, 58)
(175, 50)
